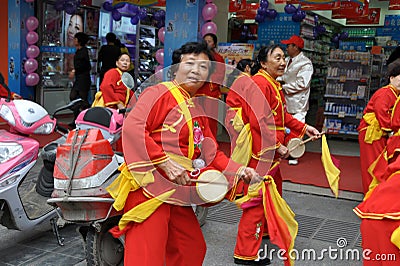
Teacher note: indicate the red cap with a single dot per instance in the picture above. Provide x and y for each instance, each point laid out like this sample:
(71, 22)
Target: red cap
(296, 40)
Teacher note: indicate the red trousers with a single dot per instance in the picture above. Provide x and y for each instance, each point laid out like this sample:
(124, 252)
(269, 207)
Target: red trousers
(171, 236)
(376, 237)
(370, 153)
(252, 227)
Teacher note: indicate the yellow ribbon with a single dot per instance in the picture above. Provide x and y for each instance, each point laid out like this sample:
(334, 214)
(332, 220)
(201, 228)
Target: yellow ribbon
(374, 131)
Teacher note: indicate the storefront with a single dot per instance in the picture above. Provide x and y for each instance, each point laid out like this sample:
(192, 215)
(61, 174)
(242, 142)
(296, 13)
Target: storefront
(341, 39)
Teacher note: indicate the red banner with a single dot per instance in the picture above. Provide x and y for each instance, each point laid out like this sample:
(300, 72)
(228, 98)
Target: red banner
(250, 13)
(237, 6)
(320, 4)
(372, 18)
(351, 10)
(394, 5)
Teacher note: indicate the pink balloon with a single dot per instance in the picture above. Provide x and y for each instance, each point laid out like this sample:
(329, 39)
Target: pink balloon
(209, 27)
(30, 65)
(32, 37)
(32, 79)
(32, 23)
(32, 51)
(160, 56)
(159, 72)
(209, 11)
(161, 34)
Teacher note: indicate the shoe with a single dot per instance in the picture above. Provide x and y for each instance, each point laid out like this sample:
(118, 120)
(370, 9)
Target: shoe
(293, 162)
(265, 237)
(265, 261)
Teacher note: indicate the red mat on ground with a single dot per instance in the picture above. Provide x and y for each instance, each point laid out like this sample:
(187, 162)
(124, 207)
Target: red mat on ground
(309, 171)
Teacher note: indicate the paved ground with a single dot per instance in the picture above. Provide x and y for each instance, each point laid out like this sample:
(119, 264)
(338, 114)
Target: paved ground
(324, 223)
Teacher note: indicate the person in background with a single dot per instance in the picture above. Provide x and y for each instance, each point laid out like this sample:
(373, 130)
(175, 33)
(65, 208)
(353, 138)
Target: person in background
(296, 80)
(108, 55)
(75, 25)
(162, 135)
(256, 110)
(4, 94)
(393, 56)
(375, 126)
(115, 93)
(124, 50)
(212, 89)
(80, 74)
(244, 66)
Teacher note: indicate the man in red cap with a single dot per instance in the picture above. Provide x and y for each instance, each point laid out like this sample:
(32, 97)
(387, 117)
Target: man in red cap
(296, 80)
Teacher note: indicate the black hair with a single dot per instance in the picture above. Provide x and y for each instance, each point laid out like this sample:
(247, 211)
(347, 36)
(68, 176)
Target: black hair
(213, 36)
(266, 51)
(111, 37)
(241, 65)
(191, 48)
(124, 54)
(394, 68)
(82, 37)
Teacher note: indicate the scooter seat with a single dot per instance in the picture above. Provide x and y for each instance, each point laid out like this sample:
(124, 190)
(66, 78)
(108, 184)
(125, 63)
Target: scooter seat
(98, 115)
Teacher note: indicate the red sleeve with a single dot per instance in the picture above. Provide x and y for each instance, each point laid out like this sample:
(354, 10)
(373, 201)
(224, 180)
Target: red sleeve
(112, 94)
(382, 105)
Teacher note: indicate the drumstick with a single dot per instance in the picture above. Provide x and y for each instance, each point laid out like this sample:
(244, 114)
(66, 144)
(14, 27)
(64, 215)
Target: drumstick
(304, 142)
(208, 182)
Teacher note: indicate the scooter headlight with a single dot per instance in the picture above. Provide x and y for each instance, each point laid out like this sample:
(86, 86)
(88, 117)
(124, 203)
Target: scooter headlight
(7, 115)
(46, 128)
(9, 151)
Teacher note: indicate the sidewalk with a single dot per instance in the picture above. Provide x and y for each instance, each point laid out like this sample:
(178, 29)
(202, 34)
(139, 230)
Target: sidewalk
(324, 223)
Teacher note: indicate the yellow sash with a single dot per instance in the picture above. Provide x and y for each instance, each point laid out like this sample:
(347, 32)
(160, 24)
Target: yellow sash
(243, 149)
(374, 131)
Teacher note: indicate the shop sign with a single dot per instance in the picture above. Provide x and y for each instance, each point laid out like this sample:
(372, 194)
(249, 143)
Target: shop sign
(351, 9)
(237, 5)
(394, 5)
(249, 13)
(372, 18)
(135, 2)
(319, 4)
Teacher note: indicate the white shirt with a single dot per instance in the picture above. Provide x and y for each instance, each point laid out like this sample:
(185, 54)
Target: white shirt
(297, 78)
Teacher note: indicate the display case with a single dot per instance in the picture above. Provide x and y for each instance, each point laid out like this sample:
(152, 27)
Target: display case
(57, 51)
(316, 48)
(148, 45)
(347, 91)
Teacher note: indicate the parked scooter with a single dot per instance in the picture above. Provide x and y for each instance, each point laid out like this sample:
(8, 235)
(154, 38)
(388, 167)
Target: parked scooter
(21, 208)
(85, 166)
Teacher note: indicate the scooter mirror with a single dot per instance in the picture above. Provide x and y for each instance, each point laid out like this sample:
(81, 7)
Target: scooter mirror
(128, 81)
(70, 106)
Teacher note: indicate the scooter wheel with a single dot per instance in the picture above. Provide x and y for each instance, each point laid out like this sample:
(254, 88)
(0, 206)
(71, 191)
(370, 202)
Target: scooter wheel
(102, 248)
(45, 183)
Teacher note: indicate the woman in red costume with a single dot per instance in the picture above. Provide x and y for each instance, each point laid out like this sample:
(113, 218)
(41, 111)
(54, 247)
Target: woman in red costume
(115, 93)
(380, 210)
(263, 106)
(162, 136)
(212, 89)
(375, 126)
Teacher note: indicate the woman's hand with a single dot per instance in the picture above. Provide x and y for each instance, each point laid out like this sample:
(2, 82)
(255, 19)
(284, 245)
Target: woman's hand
(16, 96)
(175, 172)
(313, 132)
(71, 74)
(283, 151)
(120, 106)
(250, 175)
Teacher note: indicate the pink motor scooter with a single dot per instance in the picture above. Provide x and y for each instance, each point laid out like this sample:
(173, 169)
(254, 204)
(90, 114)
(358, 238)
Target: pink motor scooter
(21, 208)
